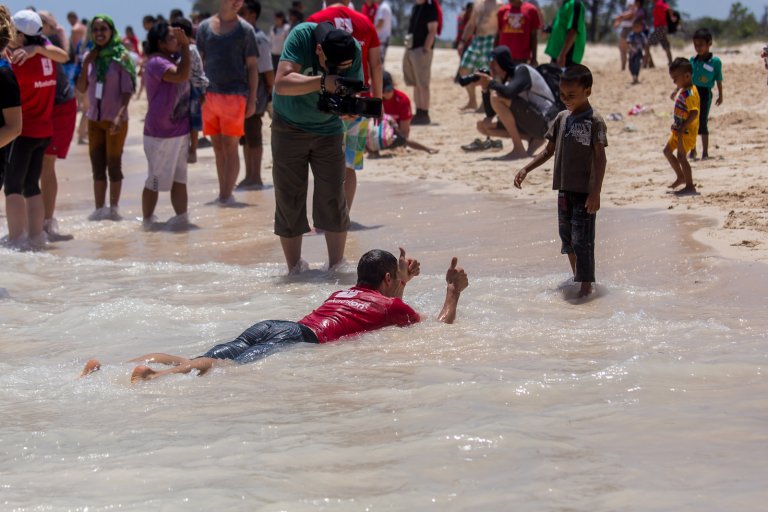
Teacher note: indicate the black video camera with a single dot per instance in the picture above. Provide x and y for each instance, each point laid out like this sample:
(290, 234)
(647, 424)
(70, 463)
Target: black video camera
(344, 101)
(474, 77)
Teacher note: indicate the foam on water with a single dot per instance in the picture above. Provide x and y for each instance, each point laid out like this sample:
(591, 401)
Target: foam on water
(650, 394)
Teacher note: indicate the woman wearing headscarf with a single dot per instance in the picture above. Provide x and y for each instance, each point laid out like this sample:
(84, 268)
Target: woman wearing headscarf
(109, 78)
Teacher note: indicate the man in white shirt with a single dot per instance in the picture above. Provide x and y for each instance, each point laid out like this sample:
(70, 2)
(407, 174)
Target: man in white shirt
(383, 22)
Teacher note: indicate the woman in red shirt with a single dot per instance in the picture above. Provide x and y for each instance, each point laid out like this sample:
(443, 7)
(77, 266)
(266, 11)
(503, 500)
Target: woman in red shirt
(36, 74)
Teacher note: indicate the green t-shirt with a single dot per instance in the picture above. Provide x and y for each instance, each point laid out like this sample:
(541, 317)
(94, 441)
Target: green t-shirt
(570, 15)
(707, 71)
(301, 111)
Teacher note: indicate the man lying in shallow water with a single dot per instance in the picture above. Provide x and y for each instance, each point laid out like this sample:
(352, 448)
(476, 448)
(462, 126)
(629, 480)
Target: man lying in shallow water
(374, 302)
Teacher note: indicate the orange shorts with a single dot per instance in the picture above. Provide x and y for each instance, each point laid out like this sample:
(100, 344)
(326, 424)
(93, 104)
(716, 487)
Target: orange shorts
(223, 114)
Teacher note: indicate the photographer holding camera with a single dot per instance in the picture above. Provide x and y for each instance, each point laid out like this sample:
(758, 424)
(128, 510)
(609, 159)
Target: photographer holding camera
(521, 98)
(316, 59)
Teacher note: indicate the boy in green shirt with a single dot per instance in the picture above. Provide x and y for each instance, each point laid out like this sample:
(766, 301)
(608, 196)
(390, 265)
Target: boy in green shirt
(707, 71)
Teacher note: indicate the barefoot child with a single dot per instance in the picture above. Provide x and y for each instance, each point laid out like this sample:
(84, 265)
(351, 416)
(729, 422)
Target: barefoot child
(685, 126)
(707, 70)
(577, 138)
(636, 41)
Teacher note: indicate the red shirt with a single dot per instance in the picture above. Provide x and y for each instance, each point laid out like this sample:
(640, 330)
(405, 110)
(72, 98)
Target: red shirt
(515, 27)
(37, 83)
(660, 14)
(399, 106)
(355, 23)
(369, 10)
(357, 310)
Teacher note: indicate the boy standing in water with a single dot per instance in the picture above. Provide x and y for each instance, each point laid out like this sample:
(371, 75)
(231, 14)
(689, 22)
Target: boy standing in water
(685, 126)
(577, 138)
(707, 70)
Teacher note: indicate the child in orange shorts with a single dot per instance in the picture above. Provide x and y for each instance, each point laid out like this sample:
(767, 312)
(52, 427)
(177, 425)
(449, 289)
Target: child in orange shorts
(685, 127)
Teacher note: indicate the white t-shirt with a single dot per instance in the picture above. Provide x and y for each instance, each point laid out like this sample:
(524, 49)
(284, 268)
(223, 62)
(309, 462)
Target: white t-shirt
(384, 12)
(277, 36)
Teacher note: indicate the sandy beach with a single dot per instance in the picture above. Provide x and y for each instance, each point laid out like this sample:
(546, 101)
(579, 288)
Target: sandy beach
(732, 194)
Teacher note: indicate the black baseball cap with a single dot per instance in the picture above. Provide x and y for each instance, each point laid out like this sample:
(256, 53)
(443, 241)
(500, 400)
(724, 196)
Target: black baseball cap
(338, 46)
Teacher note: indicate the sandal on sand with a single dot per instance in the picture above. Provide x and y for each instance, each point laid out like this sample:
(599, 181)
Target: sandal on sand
(477, 145)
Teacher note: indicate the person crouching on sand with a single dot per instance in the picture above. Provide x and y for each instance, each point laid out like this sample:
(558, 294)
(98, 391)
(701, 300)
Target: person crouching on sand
(374, 302)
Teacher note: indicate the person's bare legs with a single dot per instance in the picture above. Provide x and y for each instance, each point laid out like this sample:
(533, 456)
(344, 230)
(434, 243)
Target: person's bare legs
(501, 107)
(623, 49)
(192, 154)
(227, 163)
(201, 364)
(16, 215)
(35, 215)
(704, 146)
(99, 193)
(350, 186)
(687, 173)
(148, 203)
(672, 159)
(114, 192)
(179, 197)
(291, 250)
(420, 147)
(471, 96)
(488, 128)
(94, 365)
(252, 157)
(335, 241)
(49, 186)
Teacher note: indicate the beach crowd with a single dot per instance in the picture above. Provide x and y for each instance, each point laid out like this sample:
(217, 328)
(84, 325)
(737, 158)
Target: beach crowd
(320, 78)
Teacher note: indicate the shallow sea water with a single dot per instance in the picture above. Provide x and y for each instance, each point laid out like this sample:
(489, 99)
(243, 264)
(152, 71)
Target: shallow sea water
(651, 396)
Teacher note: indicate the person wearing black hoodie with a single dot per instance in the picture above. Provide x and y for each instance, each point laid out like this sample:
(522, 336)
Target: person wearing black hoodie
(522, 100)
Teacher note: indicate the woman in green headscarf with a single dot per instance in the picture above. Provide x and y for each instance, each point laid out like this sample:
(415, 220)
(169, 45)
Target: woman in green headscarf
(109, 78)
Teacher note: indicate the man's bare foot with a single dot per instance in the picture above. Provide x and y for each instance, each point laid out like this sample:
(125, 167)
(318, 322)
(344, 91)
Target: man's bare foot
(142, 373)
(585, 290)
(687, 191)
(705, 156)
(512, 155)
(250, 185)
(469, 106)
(676, 183)
(433, 151)
(93, 365)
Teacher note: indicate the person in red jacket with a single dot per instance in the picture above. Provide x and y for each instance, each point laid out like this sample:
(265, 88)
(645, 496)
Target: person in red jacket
(373, 303)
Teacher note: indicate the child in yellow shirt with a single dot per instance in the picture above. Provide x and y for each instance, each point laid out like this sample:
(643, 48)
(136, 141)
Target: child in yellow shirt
(685, 126)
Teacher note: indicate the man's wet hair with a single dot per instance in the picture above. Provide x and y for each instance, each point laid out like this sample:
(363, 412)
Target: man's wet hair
(682, 65)
(577, 74)
(373, 266)
(703, 34)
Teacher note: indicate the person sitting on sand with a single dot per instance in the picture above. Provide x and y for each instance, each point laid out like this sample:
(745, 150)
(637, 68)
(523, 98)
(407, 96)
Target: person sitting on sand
(374, 302)
(394, 127)
(685, 127)
(522, 100)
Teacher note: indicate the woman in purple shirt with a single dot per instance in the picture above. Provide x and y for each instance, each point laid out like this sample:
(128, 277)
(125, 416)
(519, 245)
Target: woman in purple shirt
(166, 127)
(109, 78)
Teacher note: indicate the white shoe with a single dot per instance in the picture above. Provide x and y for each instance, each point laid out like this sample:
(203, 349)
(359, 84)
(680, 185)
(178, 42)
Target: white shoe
(114, 213)
(178, 221)
(99, 214)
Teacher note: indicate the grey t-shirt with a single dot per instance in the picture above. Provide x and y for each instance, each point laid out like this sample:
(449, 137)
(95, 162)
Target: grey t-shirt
(575, 137)
(224, 56)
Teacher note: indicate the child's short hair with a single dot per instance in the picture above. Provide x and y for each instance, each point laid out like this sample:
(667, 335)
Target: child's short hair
(577, 74)
(703, 34)
(682, 65)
